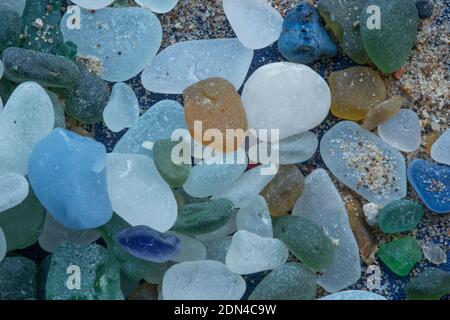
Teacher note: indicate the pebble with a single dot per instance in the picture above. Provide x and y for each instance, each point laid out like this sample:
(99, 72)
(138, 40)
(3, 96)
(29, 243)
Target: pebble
(214, 174)
(250, 253)
(432, 183)
(343, 18)
(13, 190)
(255, 218)
(322, 205)
(440, 151)
(48, 70)
(371, 212)
(27, 118)
(381, 113)
(190, 249)
(158, 6)
(138, 193)
(306, 241)
(402, 131)
(425, 8)
(100, 275)
(299, 148)
(431, 284)
(122, 110)
(202, 280)
(217, 249)
(157, 123)
(2, 244)
(148, 244)
(401, 255)
(292, 281)
(304, 39)
(76, 195)
(116, 36)
(364, 163)
(15, 5)
(179, 66)
(399, 15)
(23, 224)
(355, 91)
(18, 279)
(93, 4)
(434, 253)
(204, 217)
(174, 174)
(214, 104)
(297, 91)
(255, 22)
(248, 185)
(400, 216)
(284, 189)
(9, 28)
(353, 295)
(55, 234)
(87, 101)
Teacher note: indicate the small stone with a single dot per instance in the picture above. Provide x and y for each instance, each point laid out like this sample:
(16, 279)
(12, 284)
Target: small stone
(217, 249)
(122, 110)
(179, 66)
(304, 39)
(432, 183)
(204, 217)
(299, 148)
(343, 19)
(93, 4)
(425, 8)
(255, 218)
(401, 255)
(55, 234)
(27, 118)
(355, 91)
(174, 174)
(381, 113)
(136, 36)
(248, 185)
(282, 84)
(202, 280)
(157, 123)
(440, 151)
(48, 70)
(400, 216)
(18, 279)
(100, 275)
(214, 104)
(190, 249)
(138, 193)
(402, 131)
(255, 22)
(76, 195)
(431, 284)
(13, 190)
(148, 244)
(3, 247)
(321, 203)
(399, 15)
(250, 253)
(216, 173)
(87, 101)
(306, 241)
(364, 163)
(434, 253)
(283, 191)
(291, 281)
(353, 295)
(158, 6)
(371, 212)
(23, 224)
(9, 29)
